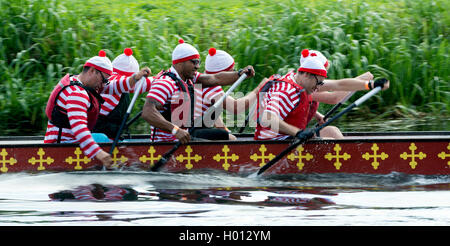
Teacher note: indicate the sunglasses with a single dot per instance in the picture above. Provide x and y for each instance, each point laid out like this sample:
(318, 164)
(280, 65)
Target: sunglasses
(196, 62)
(318, 83)
(104, 80)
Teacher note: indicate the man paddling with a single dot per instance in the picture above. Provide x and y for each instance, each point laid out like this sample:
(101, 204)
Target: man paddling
(334, 91)
(74, 105)
(169, 104)
(219, 61)
(125, 75)
(284, 103)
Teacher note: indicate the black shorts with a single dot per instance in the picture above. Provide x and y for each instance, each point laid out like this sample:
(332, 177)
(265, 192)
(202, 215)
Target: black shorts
(210, 134)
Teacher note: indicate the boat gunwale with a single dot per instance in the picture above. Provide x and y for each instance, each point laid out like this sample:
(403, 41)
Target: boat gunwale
(430, 136)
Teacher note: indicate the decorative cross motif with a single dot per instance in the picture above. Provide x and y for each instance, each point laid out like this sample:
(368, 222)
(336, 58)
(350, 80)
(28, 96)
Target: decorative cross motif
(225, 157)
(337, 163)
(413, 163)
(443, 155)
(41, 160)
(188, 158)
(375, 162)
(4, 161)
(122, 158)
(300, 156)
(152, 157)
(71, 160)
(262, 157)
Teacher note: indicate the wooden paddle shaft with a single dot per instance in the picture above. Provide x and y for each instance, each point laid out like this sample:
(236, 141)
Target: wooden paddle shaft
(138, 87)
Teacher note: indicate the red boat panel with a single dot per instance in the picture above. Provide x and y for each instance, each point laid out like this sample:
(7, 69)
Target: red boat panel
(379, 156)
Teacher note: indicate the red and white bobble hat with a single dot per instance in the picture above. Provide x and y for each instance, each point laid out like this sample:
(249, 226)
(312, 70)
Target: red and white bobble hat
(314, 53)
(100, 62)
(184, 52)
(313, 65)
(126, 64)
(218, 61)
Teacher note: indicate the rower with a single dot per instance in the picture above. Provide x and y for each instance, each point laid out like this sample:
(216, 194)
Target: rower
(74, 105)
(334, 91)
(284, 103)
(170, 105)
(125, 75)
(218, 61)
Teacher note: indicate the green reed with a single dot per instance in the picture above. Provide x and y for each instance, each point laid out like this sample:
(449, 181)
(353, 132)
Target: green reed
(406, 41)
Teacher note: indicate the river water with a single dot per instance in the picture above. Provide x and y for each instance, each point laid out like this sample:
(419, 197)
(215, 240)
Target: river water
(215, 198)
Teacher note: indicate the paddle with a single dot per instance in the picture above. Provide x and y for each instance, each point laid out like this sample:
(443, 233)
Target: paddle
(309, 133)
(212, 109)
(327, 115)
(134, 119)
(335, 107)
(251, 111)
(140, 83)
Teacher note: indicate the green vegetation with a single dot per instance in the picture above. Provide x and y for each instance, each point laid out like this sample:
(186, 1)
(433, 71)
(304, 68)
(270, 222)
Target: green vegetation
(406, 41)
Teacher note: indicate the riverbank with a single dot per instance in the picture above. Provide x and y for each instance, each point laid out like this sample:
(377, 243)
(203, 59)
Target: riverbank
(405, 41)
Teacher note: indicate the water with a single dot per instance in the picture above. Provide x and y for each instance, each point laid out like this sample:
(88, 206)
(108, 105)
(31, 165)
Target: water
(418, 123)
(217, 198)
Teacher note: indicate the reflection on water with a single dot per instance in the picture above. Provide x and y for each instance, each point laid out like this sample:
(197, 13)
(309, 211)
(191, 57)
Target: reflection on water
(274, 196)
(299, 197)
(425, 123)
(217, 198)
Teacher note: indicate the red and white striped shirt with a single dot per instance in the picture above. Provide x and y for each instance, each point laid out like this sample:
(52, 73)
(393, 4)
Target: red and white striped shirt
(165, 91)
(75, 101)
(204, 98)
(279, 100)
(119, 84)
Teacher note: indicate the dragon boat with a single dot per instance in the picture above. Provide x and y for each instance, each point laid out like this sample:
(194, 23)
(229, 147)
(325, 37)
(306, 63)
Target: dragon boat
(424, 153)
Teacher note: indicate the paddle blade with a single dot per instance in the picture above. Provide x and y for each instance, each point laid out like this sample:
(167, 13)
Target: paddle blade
(159, 164)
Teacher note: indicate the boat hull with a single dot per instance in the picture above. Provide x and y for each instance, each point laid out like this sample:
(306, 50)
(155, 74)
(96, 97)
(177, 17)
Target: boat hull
(418, 153)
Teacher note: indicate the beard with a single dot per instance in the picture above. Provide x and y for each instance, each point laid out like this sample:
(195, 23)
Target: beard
(189, 75)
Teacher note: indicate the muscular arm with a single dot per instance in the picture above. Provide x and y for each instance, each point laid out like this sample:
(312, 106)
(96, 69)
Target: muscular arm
(240, 105)
(224, 78)
(151, 114)
(329, 97)
(137, 76)
(348, 84)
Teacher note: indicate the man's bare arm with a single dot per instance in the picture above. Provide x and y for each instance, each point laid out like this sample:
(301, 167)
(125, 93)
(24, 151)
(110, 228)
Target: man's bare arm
(224, 78)
(151, 114)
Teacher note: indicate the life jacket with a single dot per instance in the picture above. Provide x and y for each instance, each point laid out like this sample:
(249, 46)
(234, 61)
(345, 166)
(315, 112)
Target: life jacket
(298, 116)
(58, 116)
(110, 123)
(187, 90)
(313, 107)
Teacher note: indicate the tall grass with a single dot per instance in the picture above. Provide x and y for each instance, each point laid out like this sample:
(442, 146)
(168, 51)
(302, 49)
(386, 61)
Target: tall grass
(406, 41)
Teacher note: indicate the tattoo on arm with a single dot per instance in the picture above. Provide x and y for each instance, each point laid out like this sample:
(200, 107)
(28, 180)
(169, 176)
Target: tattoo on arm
(157, 104)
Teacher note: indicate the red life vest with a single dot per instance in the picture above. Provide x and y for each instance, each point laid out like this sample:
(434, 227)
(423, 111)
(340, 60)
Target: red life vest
(298, 117)
(313, 106)
(58, 116)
